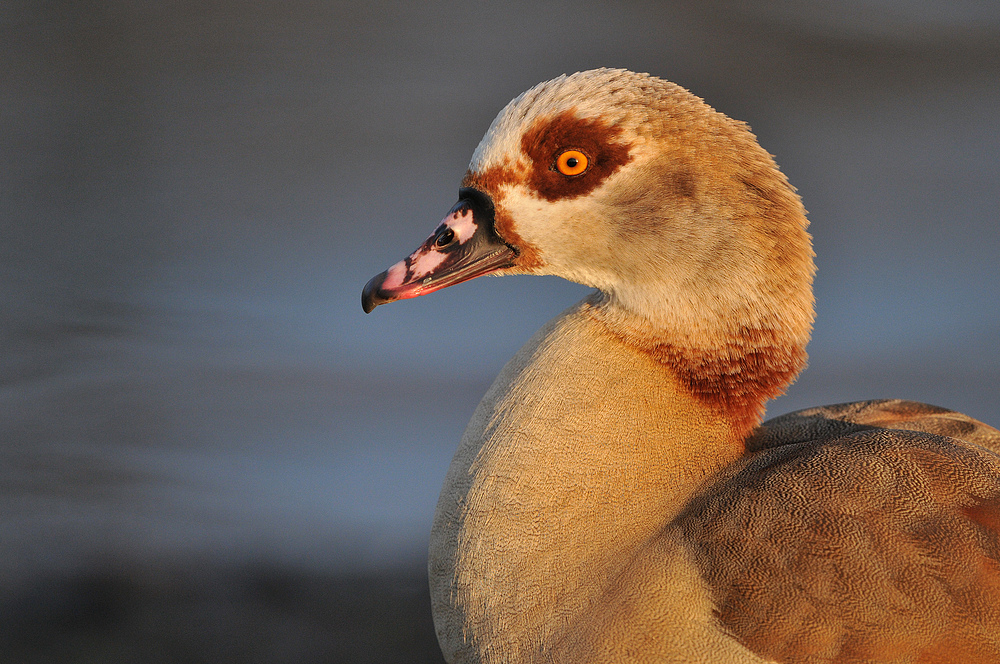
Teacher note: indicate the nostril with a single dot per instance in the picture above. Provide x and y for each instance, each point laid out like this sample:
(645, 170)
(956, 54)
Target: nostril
(445, 238)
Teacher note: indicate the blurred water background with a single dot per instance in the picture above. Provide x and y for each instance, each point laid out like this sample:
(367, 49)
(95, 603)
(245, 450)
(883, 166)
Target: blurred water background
(210, 454)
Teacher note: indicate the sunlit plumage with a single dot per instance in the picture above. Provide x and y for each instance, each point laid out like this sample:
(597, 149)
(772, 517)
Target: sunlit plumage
(614, 498)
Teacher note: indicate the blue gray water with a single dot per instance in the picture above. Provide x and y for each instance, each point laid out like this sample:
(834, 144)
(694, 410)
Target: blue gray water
(193, 196)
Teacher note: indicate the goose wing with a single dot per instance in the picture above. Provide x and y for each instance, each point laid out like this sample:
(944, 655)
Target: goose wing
(863, 532)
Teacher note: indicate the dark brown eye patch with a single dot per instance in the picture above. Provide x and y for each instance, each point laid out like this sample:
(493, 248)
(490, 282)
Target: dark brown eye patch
(553, 142)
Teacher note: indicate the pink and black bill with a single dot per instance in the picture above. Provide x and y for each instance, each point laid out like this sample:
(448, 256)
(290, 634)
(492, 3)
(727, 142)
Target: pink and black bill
(464, 246)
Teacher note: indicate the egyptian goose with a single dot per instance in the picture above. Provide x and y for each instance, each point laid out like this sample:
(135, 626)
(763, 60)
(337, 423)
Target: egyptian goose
(615, 497)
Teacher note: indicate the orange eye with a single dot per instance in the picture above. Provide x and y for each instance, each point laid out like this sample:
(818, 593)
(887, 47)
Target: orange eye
(572, 162)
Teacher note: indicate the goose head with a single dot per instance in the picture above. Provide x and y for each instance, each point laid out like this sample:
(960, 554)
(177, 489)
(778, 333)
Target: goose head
(632, 185)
